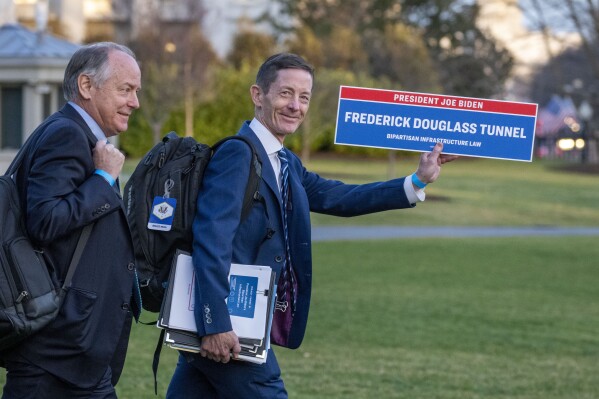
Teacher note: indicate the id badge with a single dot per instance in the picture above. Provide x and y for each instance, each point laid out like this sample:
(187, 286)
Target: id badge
(163, 212)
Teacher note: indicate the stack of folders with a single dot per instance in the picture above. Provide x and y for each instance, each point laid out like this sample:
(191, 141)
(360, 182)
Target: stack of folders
(251, 304)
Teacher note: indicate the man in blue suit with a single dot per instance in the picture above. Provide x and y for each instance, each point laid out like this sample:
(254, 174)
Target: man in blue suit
(281, 96)
(68, 180)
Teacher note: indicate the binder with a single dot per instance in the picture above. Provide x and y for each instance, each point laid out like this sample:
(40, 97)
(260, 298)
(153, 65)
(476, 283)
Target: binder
(251, 305)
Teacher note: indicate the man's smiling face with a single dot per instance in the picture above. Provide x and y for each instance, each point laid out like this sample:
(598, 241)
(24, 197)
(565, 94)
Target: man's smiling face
(284, 107)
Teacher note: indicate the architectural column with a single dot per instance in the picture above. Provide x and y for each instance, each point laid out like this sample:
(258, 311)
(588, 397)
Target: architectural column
(33, 106)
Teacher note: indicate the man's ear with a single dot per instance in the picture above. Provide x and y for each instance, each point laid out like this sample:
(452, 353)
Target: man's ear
(256, 92)
(84, 83)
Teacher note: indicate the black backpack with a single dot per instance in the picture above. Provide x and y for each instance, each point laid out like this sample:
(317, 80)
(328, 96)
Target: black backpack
(174, 169)
(30, 297)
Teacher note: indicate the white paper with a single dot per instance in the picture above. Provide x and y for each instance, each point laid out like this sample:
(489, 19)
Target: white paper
(253, 328)
(181, 316)
(183, 301)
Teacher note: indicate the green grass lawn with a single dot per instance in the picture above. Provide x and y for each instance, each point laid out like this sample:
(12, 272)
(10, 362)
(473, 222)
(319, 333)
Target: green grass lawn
(436, 318)
(452, 318)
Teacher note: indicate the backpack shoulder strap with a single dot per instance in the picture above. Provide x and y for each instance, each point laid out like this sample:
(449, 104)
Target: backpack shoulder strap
(23, 151)
(251, 190)
(77, 254)
(32, 140)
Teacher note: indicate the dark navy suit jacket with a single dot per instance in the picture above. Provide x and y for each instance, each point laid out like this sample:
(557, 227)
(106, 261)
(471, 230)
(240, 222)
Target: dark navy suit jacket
(220, 238)
(61, 195)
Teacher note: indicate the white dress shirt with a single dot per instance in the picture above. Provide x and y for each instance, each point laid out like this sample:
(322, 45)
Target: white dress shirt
(91, 123)
(272, 146)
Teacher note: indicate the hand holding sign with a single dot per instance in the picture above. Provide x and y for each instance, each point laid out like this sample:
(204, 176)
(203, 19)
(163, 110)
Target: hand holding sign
(429, 167)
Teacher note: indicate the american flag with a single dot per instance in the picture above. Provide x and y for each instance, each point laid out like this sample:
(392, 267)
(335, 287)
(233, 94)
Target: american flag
(559, 113)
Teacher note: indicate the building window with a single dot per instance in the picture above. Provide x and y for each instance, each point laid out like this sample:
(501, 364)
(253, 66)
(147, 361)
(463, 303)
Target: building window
(11, 117)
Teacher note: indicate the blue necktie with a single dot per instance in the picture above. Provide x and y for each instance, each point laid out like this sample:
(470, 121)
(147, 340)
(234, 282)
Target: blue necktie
(286, 282)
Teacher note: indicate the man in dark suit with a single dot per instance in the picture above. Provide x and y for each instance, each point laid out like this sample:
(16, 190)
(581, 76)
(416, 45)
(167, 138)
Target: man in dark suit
(66, 182)
(281, 97)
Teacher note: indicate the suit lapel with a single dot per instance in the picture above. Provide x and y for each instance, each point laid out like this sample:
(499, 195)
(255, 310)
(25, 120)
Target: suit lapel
(268, 174)
(71, 113)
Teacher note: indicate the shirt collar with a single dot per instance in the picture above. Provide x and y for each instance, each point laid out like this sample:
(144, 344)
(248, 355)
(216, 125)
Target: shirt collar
(89, 121)
(269, 141)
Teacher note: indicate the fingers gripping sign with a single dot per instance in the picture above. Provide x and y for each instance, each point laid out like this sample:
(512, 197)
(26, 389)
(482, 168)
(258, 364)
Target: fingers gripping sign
(429, 167)
(108, 158)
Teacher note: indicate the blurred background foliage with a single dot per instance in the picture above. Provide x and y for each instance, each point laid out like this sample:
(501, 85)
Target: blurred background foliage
(428, 46)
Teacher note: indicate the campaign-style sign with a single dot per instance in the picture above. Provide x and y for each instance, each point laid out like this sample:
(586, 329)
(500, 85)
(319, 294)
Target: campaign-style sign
(417, 121)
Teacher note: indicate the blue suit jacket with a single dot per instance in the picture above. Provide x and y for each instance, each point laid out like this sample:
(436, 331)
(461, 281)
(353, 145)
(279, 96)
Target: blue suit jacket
(61, 194)
(220, 238)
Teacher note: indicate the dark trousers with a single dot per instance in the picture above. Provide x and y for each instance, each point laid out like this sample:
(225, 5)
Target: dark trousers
(196, 377)
(27, 381)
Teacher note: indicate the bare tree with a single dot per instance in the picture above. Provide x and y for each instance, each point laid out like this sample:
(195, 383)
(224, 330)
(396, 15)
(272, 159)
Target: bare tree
(175, 58)
(160, 80)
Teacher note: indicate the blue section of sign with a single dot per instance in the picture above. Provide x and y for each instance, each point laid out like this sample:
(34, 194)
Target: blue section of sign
(242, 298)
(418, 128)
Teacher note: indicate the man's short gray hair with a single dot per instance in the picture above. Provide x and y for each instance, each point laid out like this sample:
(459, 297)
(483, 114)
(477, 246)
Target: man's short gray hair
(91, 60)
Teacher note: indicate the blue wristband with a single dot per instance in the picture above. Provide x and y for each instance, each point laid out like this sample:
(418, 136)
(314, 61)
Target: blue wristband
(105, 175)
(417, 182)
